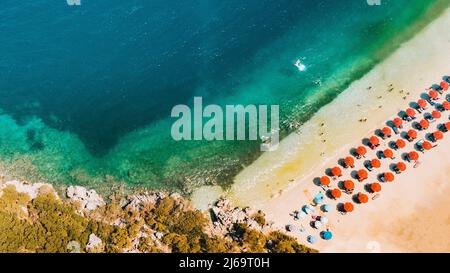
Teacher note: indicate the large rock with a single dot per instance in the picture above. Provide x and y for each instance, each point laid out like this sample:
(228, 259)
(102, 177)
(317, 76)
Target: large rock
(225, 215)
(139, 201)
(94, 244)
(88, 199)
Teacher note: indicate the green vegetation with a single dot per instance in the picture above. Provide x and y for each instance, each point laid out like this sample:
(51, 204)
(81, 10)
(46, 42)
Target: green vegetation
(44, 224)
(49, 224)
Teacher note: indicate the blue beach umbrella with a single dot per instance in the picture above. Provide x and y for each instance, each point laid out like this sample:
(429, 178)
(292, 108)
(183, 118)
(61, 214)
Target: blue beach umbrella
(327, 235)
(318, 199)
(307, 209)
(326, 208)
(323, 219)
(317, 224)
(300, 215)
(311, 239)
(290, 227)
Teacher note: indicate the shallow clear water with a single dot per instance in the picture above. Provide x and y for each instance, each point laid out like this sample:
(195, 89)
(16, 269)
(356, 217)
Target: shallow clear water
(86, 92)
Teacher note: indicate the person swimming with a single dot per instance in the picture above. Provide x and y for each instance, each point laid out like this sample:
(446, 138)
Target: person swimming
(299, 65)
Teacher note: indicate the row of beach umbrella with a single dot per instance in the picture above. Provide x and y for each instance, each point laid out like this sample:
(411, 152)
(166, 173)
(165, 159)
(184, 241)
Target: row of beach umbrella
(385, 133)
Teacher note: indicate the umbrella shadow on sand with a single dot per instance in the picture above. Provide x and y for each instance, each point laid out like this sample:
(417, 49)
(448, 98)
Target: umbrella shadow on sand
(328, 172)
(405, 157)
(429, 136)
(392, 145)
(340, 207)
(436, 87)
(414, 105)
(389, 123)
(424, 96)
(379, 133)
(392, 167)
(380, 177)
(367, 188)
(366, 164)
(404, 135)
(340, 185)
(442, 128)
(316, 181)
(328, 194)
(416, 125)
(341, 162)
(355, 198)
(402, 114)
(354, 174)
(380, 155)
(365, 142)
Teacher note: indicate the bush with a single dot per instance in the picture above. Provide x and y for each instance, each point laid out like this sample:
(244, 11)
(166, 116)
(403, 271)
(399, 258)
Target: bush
(48, 224)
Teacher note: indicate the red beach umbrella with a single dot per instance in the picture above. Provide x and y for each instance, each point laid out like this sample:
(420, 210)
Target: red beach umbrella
(349, 161)
(410, 112)
(375, 187)
(336, 171)
(375, 163)
(400, 143)
(422, 103)
(363, 198)
(397, 122)
(349, 185)
(436, 114)
(388, 153)
(401, 166)
(446, 105)
(324, 180)
(348, 207)
(433, 94)
(362, 174)
(361, 150)
(424, 124)
(388, 177)
(444, 85)
(386, 131)
(336, 193)
(438, 135)
(413, 155)
(374, 140)
(427, 145)
(412, 134)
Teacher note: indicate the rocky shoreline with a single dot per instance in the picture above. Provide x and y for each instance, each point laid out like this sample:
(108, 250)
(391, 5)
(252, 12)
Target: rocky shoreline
(141, 222)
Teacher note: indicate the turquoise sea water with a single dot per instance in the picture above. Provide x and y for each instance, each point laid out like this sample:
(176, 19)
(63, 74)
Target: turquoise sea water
(86, 91)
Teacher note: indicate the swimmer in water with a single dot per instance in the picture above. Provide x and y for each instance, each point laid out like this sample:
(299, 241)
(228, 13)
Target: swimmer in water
(299, 65)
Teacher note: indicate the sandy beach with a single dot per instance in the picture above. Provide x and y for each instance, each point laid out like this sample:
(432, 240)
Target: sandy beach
(412, 213)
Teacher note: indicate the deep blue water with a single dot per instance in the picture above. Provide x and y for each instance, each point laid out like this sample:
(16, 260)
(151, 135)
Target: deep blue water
(107, 67)
(110, 67)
